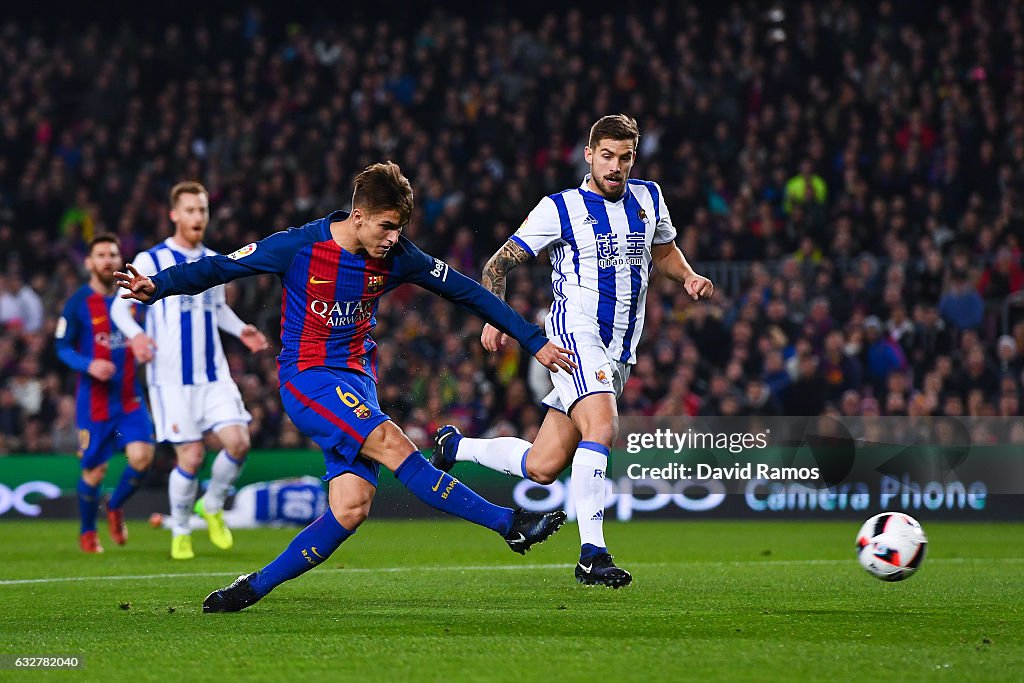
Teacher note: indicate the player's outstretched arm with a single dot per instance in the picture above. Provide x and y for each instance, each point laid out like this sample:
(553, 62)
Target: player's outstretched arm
(270, 255)
(494, 280)
(437, 276)
(669, 261)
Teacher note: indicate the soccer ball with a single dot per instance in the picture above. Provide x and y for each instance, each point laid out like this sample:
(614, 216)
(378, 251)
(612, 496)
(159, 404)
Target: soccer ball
(891, 546)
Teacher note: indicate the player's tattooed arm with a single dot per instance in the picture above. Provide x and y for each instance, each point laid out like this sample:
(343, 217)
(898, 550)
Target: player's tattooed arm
(496, 271)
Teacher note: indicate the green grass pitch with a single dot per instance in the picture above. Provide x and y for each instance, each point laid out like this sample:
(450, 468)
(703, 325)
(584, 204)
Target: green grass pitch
(446, 601)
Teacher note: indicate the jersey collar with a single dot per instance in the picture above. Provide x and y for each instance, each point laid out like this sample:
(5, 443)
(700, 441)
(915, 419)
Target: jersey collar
(191, 253)
(325, 222)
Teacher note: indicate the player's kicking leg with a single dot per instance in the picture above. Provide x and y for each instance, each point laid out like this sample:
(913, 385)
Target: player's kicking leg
(521, 530)
(350, 496)
(339, 410)
(582, 441)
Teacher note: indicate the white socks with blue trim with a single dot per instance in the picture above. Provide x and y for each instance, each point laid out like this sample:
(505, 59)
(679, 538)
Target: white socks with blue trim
(587, 486)
(181, 490)
(503, 454)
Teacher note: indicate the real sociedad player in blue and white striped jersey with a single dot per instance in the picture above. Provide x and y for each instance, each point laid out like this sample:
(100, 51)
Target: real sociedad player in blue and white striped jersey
(603, 238)
(190, 385)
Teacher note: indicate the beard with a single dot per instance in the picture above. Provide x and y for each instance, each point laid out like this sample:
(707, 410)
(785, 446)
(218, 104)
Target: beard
(106, 278)
(609, 191)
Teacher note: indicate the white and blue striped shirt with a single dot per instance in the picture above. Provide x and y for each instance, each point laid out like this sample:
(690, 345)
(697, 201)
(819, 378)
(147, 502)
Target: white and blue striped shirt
(601, 259)
(184, 328)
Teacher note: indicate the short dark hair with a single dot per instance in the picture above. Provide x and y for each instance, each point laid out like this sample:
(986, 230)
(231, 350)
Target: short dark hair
(614, 127)
(187, 187)
(382, 187)
(104, 238)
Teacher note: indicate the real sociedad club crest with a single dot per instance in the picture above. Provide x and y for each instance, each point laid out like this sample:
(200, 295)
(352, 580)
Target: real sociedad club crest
(642, 215)
(601, 376)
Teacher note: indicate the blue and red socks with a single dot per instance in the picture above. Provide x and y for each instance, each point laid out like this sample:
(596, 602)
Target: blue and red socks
(88, 504)
(129, 484)
(446, 493)
(310, 547)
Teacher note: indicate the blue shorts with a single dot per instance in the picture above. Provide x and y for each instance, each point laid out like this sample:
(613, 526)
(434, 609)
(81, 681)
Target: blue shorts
(100, 440)
(337, 409)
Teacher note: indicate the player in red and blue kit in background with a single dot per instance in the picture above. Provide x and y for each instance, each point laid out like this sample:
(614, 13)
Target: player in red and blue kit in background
(333, 271)
(111, 414)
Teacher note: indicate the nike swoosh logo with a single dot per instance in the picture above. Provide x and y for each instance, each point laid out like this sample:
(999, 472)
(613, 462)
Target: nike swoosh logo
(313, 549)
(97, 321)
(438, 484)
(587, 568)
(314, 280)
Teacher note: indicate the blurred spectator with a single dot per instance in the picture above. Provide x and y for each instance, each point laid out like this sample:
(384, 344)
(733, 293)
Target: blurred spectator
(806, 189)
(961, 305)
(884, 356)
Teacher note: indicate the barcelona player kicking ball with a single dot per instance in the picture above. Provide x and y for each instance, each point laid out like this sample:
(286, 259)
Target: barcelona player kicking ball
(334, 270)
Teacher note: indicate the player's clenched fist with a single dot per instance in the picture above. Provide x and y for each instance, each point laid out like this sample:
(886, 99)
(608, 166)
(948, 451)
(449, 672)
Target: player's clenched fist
(142, 347)
(699, 287)
(492, 338)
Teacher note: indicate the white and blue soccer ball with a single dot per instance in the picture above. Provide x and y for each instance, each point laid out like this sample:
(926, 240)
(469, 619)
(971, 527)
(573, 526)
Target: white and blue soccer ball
(891, 546)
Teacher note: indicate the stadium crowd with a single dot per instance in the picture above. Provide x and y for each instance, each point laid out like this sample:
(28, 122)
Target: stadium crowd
(850, 177)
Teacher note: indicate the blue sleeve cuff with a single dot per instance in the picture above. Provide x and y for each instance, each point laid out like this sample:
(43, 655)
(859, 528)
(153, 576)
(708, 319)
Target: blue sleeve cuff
(157, 295)
(523, 244)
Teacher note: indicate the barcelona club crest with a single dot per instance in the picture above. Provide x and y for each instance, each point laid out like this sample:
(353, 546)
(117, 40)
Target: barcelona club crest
(602, 377)
(374, 284)
(362, 412)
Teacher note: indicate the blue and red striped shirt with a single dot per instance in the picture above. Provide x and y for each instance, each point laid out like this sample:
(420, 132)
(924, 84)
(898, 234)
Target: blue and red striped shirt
(86, 333)
(330, 296)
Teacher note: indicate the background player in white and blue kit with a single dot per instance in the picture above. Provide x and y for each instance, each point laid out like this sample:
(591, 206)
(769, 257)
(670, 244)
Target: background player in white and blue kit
(603, 237)
(190, 386)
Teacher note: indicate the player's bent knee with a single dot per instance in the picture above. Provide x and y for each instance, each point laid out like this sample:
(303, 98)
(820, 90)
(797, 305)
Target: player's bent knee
(141, 462)
(603, 433)
(140, 455)
(190, 457)
(236, 441)
(541, 476)
(388, 445)
(351, 516)
(94, 475)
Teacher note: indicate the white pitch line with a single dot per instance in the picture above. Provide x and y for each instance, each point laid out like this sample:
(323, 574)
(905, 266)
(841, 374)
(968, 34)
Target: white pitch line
(507, 567)
(358, 570)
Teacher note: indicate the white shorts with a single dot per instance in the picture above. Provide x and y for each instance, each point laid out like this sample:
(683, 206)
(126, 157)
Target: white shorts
(595, 372)
(182, 413)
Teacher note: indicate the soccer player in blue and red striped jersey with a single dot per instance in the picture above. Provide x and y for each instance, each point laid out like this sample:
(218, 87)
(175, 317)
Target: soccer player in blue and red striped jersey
(334, 270)
(111, 414)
